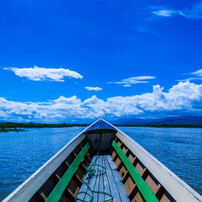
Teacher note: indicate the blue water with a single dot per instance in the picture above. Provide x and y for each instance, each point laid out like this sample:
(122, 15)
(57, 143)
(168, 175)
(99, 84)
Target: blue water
(22, 153)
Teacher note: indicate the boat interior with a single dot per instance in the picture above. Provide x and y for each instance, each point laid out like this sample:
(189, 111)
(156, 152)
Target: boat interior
(101, 168)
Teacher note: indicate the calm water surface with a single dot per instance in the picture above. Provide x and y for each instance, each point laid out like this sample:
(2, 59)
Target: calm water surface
(22, 153)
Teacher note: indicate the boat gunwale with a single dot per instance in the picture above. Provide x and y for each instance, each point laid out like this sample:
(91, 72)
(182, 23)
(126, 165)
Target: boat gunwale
(41, 175)
(176, 187)
(164, 175)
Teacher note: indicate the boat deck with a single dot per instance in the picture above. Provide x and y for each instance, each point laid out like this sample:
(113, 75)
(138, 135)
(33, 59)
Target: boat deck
(109, 182)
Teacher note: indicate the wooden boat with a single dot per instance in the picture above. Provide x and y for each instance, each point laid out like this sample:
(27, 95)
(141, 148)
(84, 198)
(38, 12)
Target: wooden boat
(103, 164)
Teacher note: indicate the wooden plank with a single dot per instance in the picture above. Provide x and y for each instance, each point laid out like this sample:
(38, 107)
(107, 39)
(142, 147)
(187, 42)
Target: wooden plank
(84, 187)
(106, 183)
(42, 195)
(69, 193)
(78, 180)
(177, 188)
(112, 184)
(91, 182)
(64, 181)
(133, 192)
(96, 187)
(119, 184)
(111, 162)
(101, 187)
(141, 184)
(125, 177)
(28, 188)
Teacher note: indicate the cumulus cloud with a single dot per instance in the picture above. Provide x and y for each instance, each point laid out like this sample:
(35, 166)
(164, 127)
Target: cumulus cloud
(192, 12)
(133, 80)
(93, 88)
(185, 97)
(42, 73)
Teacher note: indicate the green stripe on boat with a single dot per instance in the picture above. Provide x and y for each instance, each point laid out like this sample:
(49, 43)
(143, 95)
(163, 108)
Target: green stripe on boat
(141, 184)
(64, 181)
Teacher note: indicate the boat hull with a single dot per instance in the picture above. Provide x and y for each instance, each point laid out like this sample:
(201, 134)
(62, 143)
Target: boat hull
(143, 176)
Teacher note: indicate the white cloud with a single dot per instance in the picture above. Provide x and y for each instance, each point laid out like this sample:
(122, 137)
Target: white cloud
(185, 97)
(42, 73)
(197, 75)
(165, 13)
(192, 12)
(93, 88)
(126, 85)
(133, 80)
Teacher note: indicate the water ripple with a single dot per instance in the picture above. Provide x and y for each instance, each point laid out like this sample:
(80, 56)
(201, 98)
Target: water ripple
(22, 153)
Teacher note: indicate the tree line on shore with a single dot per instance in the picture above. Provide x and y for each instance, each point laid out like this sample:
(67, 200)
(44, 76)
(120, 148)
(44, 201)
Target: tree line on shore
(37, 125)
(165, 125)
(11, 125)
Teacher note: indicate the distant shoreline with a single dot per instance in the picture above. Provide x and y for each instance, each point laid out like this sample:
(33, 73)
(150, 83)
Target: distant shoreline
(39, 125)
(164, 126)
(17, 127)
(6, 127)
(11, 129)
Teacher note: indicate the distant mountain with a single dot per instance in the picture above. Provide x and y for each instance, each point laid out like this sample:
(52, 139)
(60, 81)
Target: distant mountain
(182, 120)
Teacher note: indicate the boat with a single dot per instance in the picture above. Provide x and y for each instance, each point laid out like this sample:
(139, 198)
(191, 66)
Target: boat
(103, 164)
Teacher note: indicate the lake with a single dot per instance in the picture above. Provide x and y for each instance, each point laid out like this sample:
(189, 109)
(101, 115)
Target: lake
(22, 153)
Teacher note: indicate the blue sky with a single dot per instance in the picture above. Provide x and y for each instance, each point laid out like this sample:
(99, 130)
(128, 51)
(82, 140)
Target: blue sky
(65, 61)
